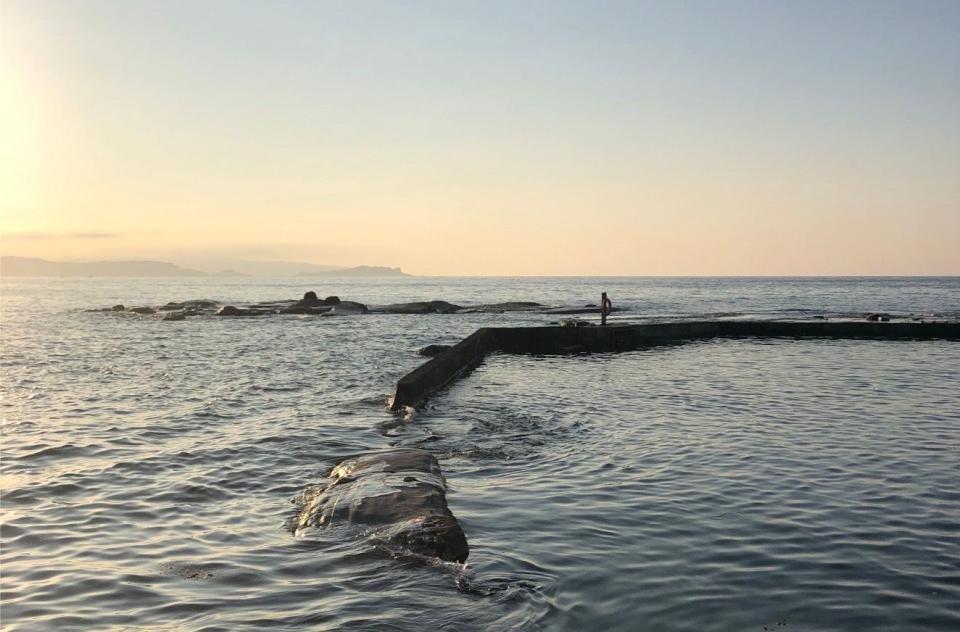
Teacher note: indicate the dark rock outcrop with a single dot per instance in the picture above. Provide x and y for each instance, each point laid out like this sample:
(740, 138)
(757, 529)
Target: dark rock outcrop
(498, 308)
(195, 305)
(118, 308)
(432, 350)
(398, 497)
(142, 310)
(305, 309)
(174, 316)
(347, 308)
(419, 307)
(311, 304)
(230, 310)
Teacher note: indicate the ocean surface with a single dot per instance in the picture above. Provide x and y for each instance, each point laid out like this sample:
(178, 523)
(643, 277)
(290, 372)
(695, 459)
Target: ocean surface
(151, 470)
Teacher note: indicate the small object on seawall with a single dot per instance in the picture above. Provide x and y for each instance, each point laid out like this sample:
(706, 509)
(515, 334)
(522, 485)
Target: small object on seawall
(570, 311)
(879, 317)
(432, 350)
(397, 496)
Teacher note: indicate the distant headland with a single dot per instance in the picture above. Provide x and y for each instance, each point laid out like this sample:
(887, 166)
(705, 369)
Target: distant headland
(358, 271)
(11, 266)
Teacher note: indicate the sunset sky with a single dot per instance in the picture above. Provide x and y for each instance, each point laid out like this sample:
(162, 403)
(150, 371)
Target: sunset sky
(567, 138)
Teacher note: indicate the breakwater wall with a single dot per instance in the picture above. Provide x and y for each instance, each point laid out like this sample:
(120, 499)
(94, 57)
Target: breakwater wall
(417, 386)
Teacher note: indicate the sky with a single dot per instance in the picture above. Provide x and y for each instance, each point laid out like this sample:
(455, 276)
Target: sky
(486, 138)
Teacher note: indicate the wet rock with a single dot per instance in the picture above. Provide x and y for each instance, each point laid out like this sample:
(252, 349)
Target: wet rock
(432, 350)
(347, 308)
(174, 316)
(498, 308)
(118, 308)
(420, 307)
(879, 317)
(198, 304)
(305, 309)
(230, 310)
(142, 310)
(398, 496)
(275, 305)
(311, 304)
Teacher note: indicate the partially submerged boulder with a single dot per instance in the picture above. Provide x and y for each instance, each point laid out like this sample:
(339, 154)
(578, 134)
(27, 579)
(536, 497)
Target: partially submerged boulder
(347, 308)
(311, 304)
(499, 308)
(142, 310)
(420, 307)
(230, 310)
(194, 305)
(399, 496)
(305, 309)
(174, 316)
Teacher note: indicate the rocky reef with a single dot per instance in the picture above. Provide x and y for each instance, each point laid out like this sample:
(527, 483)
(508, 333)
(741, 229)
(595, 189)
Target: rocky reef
(398, 497)
(312, 305)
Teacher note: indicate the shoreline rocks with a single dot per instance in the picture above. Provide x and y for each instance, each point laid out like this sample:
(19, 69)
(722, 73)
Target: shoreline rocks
(397, 496)
(230, 310)
(312, 305)
(418, 307)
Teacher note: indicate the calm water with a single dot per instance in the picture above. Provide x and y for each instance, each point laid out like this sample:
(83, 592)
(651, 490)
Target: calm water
(150, 469)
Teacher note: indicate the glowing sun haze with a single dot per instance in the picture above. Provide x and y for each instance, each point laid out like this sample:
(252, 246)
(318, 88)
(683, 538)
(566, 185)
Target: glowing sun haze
(643, 138)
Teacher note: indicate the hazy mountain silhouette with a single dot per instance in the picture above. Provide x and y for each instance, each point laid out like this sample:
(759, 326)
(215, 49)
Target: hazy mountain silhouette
(359, 271)
(31, 267)
(252, 267)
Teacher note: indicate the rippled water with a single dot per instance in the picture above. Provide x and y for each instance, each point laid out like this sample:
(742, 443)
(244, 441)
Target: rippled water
(150, 470)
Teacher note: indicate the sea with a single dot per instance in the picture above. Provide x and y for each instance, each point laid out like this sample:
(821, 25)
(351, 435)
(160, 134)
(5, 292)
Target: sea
(151, 471)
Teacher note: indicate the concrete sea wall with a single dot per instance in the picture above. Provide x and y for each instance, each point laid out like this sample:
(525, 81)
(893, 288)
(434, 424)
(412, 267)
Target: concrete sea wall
(417, 386)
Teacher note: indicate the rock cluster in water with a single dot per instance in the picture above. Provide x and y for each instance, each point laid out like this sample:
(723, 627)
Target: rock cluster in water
(398, 497)
(312, 304)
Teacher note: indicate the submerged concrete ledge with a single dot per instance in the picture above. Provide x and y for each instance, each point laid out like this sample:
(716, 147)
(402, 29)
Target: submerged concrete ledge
(417, 386)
